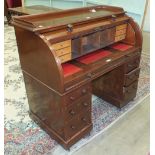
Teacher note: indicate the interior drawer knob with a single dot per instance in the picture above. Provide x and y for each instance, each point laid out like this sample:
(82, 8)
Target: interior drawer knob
(73, 127)
(85, 104)
(84, 91)
(72, 112)
(72, 98)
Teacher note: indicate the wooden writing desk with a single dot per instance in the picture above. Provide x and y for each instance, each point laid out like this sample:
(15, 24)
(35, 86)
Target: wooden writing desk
(69, 55)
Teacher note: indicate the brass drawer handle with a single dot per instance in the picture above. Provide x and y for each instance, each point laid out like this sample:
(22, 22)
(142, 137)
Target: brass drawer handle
(85, 104)
(72, 98)
(72, 112)
(73, 127)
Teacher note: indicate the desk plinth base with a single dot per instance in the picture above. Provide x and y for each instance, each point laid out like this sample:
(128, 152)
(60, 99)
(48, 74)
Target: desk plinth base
(66, 144)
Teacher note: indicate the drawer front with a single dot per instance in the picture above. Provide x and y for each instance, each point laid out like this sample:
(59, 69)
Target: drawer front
(120, 32)
(63, 51)
(120, 37)
(61, 45)
(65, 57)
(82, 104)
(132, 64)
(78, 123)
(76, 94)
(119, 27)
(85, 119)
(71, 128)
(131, 77)
(130, 91)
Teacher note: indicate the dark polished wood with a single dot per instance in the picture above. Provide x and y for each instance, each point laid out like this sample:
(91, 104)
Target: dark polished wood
(67, 56)
(30, 10)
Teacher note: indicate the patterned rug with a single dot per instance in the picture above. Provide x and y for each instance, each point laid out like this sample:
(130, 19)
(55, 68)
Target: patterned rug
(23, 136)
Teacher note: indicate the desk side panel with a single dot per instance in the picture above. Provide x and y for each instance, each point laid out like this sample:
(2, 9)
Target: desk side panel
(38, 60)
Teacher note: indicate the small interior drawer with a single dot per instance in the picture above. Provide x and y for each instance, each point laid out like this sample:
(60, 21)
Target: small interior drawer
(122, 26)
(61, 45)
(120, 37)
(63, 51)
(120, 32)
(65, 58)
(131, 77)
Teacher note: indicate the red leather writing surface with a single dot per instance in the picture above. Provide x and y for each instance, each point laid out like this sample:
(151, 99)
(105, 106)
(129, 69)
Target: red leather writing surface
(121, 46)
(92, 57)
(69, 69)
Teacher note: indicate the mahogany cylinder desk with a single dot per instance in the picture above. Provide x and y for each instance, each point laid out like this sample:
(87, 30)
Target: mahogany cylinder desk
(66, 56)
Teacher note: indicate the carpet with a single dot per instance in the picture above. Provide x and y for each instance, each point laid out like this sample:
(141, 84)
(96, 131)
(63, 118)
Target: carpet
(23, 136)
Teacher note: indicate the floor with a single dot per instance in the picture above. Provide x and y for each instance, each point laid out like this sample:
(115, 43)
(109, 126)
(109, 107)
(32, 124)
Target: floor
(146, 43)
(130, 135)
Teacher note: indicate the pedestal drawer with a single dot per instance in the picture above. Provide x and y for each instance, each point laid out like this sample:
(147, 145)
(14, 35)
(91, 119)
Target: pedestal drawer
(82, 104)
(131, 76)
(75, 125)
(130, 91)
(132, 64)
(76, 94)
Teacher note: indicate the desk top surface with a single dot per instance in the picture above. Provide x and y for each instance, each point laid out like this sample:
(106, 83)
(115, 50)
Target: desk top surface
(34, 9)
(71, 16)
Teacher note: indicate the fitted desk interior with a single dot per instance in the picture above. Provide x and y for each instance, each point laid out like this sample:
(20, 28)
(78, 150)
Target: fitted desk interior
(67, 56)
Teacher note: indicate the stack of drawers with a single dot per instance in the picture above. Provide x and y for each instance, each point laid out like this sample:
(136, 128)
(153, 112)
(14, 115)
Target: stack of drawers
(77, 111)
(120, 32)
(63, 50)
(132, 70)
(119, 86)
